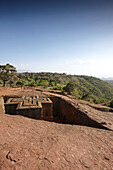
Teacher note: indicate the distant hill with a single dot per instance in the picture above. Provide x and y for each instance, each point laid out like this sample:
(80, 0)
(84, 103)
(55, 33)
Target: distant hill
(109, 81)
(108, 78)
(86, 87)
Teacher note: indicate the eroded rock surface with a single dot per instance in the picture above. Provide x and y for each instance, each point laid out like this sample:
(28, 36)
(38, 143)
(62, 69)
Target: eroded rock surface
(36, 144)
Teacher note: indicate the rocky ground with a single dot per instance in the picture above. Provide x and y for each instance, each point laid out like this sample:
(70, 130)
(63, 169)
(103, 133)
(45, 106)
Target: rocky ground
(28, 144)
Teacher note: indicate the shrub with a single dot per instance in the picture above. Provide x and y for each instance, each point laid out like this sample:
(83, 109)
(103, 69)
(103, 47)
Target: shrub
(69, 88)
(58, 88)
(111, 104)
(20, 83)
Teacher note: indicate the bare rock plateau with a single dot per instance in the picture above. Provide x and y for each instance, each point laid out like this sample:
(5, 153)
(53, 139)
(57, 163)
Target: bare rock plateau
(80, 137)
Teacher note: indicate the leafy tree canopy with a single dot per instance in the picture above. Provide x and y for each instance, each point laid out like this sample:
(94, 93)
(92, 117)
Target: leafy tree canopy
(20, 82)
(7, 72)
(84, 87)
(52, 82)
(69, 88)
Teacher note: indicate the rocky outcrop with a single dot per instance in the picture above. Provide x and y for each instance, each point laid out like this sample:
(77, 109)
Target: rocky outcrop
(67, 111)
(71, 111)
(36, 144)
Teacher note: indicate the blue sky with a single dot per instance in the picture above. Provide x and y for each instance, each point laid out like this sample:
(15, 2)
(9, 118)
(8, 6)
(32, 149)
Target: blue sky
(75, 37)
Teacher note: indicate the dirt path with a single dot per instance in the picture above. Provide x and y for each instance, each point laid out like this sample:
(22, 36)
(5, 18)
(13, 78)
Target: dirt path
(5, 91)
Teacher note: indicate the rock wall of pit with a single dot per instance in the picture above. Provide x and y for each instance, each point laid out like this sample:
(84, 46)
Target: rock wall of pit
(2, 109)
(65, 112)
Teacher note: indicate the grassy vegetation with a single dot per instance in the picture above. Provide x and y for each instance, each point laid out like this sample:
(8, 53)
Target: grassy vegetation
(82, 87)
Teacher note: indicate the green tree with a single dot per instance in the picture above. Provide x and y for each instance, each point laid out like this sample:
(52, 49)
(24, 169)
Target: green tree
(20, 83)
(52, 82)
(111, 104)
(7, 72)
(45, 83)
(11, 83)
(69, 88)
(1, 82)
(37, 82)
(31, 82)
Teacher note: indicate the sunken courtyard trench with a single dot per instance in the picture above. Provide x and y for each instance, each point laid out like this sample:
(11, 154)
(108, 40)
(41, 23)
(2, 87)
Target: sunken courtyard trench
(50, 109)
